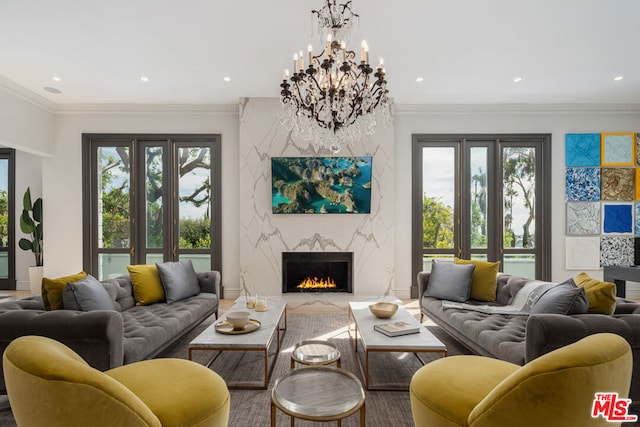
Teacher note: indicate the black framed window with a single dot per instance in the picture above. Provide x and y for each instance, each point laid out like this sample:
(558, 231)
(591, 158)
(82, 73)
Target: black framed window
(7, 219)
(151, 198)
(482, 197)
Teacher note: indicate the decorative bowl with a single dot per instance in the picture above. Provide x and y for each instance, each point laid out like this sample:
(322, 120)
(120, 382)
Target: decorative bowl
(238, 319)
(383, 310)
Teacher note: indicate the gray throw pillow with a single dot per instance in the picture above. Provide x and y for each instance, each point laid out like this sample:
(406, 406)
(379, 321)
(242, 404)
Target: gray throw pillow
(450, 281)
(179, 280)
(86, 295)
(564, 298)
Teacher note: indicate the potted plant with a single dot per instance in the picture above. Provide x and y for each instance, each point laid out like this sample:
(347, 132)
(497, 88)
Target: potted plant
(31, 224)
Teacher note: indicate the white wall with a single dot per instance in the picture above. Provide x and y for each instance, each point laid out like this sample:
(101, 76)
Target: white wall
(28, 174)
(498, 119)
(27, 127)
(63, 176)
(24, 125)
(264, 236)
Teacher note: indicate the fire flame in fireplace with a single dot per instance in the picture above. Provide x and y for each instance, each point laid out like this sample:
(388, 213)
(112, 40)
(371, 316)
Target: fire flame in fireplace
(316, 283)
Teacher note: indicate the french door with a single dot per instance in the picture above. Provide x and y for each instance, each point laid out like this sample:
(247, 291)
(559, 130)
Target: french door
(8, 220)
(482, 197)
(151, 198)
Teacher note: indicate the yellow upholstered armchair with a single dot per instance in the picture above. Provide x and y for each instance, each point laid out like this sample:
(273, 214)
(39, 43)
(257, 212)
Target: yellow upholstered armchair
(556, 389)
(50, 385)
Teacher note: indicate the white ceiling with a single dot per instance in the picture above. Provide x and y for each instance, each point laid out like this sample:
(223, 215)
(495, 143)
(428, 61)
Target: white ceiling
(467, 51)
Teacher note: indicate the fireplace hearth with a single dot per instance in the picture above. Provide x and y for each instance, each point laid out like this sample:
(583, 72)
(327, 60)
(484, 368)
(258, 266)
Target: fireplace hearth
(317, 272)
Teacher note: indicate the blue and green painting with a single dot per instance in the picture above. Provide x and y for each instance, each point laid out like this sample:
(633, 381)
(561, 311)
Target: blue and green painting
(321, 185)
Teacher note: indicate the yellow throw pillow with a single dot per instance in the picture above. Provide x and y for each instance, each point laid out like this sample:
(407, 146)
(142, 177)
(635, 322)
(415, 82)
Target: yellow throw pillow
(52, 290)
(483, 280)
(601, 295)
(147, 287)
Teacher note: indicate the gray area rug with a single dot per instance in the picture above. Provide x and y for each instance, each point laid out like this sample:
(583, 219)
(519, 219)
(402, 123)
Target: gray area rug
(252, 407)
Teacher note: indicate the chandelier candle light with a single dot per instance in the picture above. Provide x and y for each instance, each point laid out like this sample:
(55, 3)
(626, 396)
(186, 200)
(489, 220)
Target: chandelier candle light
(333, 101)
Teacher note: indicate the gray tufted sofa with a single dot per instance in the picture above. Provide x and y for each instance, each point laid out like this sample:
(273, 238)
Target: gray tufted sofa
(107, 339)
(521, 338)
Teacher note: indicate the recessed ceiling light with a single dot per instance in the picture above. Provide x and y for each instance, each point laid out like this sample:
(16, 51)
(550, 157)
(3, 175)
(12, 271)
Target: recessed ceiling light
(56, 79)
(517, 79)
(227, 79)
(144, 79)
(618, 78)
(420, 79)
(52, 90)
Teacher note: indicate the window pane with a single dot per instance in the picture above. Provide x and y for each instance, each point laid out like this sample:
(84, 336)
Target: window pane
(438, 199)
(4, 265)
(112, 265)
(4, 218)
(520, 265)
(426, 260)
(194, 188)
(478, 191)
(153, 258)
(113, 197)
(153, 197)
(519, 173)
(4, 211)
(201, 262)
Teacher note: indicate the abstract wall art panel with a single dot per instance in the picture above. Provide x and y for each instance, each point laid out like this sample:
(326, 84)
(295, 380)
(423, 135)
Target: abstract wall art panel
(616, 250)
(637, 148)
(636, 228)
(583, 218)
(583, 184)
(618, 149)
(582, 253)
(582, 149)
(617, 218)
(617, 184)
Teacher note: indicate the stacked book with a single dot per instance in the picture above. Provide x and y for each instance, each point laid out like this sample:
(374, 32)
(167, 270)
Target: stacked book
(394, 329)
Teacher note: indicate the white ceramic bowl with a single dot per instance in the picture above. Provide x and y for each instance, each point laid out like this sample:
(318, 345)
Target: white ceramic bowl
(238, 319)
(383, 310)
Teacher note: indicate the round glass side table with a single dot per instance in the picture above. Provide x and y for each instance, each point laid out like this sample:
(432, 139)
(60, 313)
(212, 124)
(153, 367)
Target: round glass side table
(315, 352)
(318, 393)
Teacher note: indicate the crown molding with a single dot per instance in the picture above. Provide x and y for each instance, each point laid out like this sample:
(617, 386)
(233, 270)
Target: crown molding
(415, 109)
(123, 108)
(22, 92)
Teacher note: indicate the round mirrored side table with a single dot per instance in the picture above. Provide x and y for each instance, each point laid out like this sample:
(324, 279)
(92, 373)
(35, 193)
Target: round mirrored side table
(315, 352)
(318, 393)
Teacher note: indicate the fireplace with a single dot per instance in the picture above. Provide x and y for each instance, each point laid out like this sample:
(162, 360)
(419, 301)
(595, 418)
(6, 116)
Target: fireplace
(317, 272)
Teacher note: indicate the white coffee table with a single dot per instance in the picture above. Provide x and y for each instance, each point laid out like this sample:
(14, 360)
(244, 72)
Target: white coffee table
(374, 341)
(259, 340)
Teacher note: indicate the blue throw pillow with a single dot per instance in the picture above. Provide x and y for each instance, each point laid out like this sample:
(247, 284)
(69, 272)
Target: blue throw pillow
(450, 281)
(86, 295)
(179, 280)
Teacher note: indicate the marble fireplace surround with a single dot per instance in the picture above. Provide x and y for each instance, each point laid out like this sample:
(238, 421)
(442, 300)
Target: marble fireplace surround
(264, 236)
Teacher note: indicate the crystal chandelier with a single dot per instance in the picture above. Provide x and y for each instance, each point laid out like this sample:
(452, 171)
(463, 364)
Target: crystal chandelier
(334, 100)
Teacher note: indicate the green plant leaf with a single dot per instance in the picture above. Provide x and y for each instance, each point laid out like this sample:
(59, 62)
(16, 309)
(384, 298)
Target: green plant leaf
(26, 223)
(26, 200)
(37, 210)
(25, 244)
